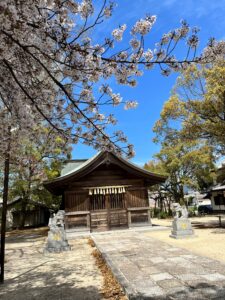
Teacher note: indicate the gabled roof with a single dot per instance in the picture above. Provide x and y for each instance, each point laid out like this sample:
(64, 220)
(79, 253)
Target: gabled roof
(18, 199)
(72, 165)
(79, 164)
(79, 171)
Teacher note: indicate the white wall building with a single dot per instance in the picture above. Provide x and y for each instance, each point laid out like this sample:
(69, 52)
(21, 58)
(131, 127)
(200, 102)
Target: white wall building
(196, 199)
(217, 194)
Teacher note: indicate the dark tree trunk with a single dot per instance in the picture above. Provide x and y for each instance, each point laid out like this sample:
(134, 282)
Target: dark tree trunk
(169, 207)
(181, 192)
(161, 202)
(4, 210)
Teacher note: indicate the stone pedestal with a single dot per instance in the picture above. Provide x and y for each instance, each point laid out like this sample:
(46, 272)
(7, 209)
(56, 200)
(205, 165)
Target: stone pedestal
(57, 241)
(181, 228)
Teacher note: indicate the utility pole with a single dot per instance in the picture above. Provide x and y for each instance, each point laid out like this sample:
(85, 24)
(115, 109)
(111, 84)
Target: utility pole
(4, 205)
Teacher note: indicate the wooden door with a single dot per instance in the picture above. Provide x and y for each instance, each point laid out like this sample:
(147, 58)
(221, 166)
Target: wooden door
(99, 212)
(108, 212)
(117, 216)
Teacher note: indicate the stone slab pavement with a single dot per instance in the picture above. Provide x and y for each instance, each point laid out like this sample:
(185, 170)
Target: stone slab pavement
(150, 269)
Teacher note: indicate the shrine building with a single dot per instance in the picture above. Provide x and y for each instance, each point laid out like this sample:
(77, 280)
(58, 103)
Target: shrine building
(104, 192)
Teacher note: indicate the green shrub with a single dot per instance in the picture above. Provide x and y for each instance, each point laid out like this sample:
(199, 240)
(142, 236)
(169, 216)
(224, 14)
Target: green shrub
(156, 211)
(192, 211)
(163, 215)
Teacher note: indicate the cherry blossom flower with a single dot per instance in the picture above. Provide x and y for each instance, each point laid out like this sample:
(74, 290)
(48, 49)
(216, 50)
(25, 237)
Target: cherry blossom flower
(130, 104)
(143, 26)
(118, 33)
(50, 67)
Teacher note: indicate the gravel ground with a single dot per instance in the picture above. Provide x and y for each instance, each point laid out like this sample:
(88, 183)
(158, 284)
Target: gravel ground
(209, 240)
(29, 274)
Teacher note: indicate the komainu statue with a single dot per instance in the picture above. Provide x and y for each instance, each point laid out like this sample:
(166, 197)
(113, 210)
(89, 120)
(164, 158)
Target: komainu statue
(57, 220)
(181, 226)
(57, 241)
(179, 211)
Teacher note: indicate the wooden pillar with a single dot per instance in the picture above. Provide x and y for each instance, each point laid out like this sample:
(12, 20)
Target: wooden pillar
(125, 199)
(89, 220)
(62, 205)
(126, 195)
(107, 205)
(88, 203)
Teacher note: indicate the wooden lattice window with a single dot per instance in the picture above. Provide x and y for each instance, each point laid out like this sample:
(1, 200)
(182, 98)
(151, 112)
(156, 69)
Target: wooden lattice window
(117, 201)
(76, 201)
(97, 202)
(137, 198)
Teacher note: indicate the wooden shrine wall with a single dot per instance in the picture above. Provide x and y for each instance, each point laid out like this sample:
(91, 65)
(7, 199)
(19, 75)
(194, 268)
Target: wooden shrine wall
(104, 212)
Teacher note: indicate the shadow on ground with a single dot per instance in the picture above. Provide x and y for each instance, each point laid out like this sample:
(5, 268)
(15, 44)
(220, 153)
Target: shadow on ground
(206, 225)
(49, 281)
(30, 274)
(199, 291)
(24, 238)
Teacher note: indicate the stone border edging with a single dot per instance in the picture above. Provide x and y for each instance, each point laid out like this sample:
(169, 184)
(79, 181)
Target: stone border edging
(130, 293)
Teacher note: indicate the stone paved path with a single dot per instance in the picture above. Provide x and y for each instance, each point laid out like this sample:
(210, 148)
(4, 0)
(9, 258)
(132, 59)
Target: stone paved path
(150, 269)
(31, 275)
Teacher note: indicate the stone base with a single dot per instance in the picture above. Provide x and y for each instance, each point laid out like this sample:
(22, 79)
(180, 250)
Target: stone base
(181, 228)
(57, 241)
(182, 236)
(57, 250)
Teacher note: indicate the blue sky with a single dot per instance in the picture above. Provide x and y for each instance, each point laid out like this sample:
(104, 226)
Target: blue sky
(153, 89)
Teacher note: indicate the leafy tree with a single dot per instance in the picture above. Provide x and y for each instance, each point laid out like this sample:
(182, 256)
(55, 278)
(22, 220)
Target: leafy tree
(196, 109)
(186, 165)
(39, 159)
(220, 173)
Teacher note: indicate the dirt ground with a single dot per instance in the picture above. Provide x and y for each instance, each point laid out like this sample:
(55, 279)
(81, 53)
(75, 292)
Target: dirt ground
(209, 240)
(29, 274)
